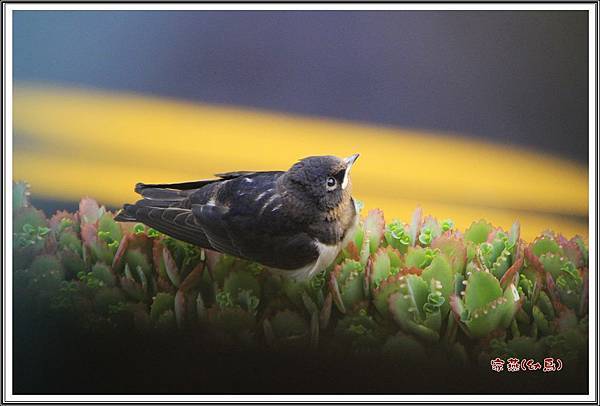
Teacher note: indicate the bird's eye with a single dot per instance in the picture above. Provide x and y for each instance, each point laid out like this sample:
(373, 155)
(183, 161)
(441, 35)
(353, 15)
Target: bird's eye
(331, 183)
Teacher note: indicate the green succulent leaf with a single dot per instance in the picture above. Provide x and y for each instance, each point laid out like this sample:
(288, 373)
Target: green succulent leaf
(569, 285)
(418, 257)
(248, 301)
(102, 272)
(545, 306)
(288, 324)
(21, 195)
(482, 289)
(492, 315)
(44, 264)
(440, 275)
(478, 232)
(540, 320)
(501, 264)
(545, 245)
(365, 249)
(90, 211)
(224, 300)
(358, 205)
(358, 237)
(553, 263)
(582, 248)
(30, 235)
(381, 268)
(408, 304)
(239, 281)
(171, 268)
(429, 230)
(161, 303)
(415, 225)
(447, 225)
(107, 298)
(359, 332)
(404, 308)
(232, 320)
(108, 229)
(454, 250)
(405, 349)
(384, 291)
(350, 281)
(397, 235)
(374, 228)
(426, 236)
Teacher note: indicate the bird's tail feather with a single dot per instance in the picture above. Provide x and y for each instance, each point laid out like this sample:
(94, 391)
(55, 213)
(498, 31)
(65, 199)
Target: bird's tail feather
(157, 192)
(182, 188)
(167, 219)
(154, 195)
(163, 208)
(131, 212)
(127, 213)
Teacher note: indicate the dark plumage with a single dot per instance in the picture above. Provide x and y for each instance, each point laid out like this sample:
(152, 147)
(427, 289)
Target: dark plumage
(294, 221)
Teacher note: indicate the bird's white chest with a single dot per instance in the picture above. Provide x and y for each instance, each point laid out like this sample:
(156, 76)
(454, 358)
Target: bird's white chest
(327, 254)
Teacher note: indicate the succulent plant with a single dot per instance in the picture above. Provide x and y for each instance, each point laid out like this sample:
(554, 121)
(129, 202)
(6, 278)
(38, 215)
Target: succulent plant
(397, 235)
(404, 348)
(359, 333)
(30, 228)
(289, 330)
(408, 291)
(564, 266)
(486, 306)
(347, 285)
(490, 297)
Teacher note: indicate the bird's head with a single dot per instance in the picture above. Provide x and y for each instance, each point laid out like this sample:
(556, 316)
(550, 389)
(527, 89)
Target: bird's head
(323, 181)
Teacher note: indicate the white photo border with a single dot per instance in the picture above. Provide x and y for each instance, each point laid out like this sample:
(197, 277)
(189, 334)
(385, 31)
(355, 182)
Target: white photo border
(9, 397)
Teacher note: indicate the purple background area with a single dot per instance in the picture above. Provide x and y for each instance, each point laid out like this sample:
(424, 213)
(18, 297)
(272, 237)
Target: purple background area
(511, 77)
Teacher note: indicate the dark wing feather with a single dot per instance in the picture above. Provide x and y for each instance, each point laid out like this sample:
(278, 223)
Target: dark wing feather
(197, 184)
(237, 174)
(199, 212)
(178, 191)
(214, 225)
(174, 221)
(285, 252)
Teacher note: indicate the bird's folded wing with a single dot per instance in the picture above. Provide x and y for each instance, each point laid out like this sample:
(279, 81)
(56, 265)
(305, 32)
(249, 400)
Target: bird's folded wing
(237, 174)
(147, 188)
(177, 222)
(213, 222)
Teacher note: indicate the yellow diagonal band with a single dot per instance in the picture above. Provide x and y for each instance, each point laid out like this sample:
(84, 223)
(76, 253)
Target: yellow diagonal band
(76, 142)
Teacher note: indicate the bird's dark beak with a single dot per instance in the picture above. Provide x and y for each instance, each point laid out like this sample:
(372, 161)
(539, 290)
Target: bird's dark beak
(349, 162)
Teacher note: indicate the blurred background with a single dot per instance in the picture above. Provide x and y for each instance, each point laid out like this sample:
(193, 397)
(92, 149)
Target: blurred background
(475, 114)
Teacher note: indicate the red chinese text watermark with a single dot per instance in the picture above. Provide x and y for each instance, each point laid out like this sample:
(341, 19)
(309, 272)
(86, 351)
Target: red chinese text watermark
(515, 364)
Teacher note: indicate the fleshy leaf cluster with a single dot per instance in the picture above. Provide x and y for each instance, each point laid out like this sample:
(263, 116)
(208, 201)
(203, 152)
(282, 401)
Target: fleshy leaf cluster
(406, 289)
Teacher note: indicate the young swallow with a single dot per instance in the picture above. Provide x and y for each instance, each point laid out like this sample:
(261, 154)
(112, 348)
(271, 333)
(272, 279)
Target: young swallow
(294, 222)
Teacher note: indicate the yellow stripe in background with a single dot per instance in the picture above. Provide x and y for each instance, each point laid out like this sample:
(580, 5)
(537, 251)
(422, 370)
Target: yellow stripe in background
(75, 142)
